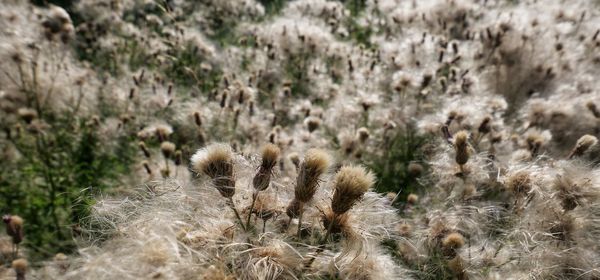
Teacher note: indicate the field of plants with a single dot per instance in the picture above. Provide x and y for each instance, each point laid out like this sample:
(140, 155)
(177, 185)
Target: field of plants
(304, 139)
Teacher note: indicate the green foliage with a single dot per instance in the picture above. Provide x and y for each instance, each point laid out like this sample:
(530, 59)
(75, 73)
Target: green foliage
(358, 33)
(45, 185)
(185, 68)
(296, 68)
(355, 6)
(273, 7)
(128, 51)
(391, 167)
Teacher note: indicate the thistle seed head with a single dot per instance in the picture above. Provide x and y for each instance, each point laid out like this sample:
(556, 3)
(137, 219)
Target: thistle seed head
(453, 241)
(461, 147)
(315, 163)
(293, 209)
(340, 222)
(519, 183)
(312, 123)
(583, 144)
(350, 183)
(362, 134)
(27, 114)
(261, 180)
(167, 148)
(20, 267)
(14, 227)
(216, 161)
(412, 199)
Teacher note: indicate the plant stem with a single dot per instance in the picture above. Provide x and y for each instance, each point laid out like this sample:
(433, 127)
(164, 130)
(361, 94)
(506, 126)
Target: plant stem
(300, 219)
(254, 196)
(329, 228)
(232, 205)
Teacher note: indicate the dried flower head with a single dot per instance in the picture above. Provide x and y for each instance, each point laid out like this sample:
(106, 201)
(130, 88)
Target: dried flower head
(261, 180)
(20, 267)
(461, 147)
(312, 123)
(14, 227)
(167, 148)
(350, 183)
(519, 183)
(583, 144)
(27, 114)
(594, 109)
(315, 163)
(415, 169)
(295, 159)
(340, 222)
(453, 241)
(178, 157)
(362, 134)
(293, 209)
(216, 161)
(412, 199)
(404, 229)
(197, 119)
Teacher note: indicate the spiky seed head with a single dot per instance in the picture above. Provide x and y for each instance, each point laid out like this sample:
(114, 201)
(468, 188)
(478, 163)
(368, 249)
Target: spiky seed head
(60, 257)
(362, 134)
(178, 157)
(485, 127)
(412, 199)
(461, 147)
(295, 159)
(20, 265)
(162, 132)
(270, 154)
(197, 119)
(167, 148)
(216, 161)
(519, 183)
(563, 227)
(456, 265)
(27, 114)
(214, 273)
(569, 192)
(316, 162)
(453, 241)
(264, 208)
(14, 227)
(293, 209)
(583, 144)
(592, 107)
(415, 169)
(350, 183)
(404, 229)
(261, 180)
(390, 196)
(165, 172)
(340, 222)
(312, 123)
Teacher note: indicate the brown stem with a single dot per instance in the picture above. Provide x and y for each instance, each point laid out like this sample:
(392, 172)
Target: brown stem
(300, 219)
(237, 214)
(254, 196)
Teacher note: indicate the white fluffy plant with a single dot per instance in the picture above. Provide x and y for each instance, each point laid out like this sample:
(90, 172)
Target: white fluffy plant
(229, 222)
